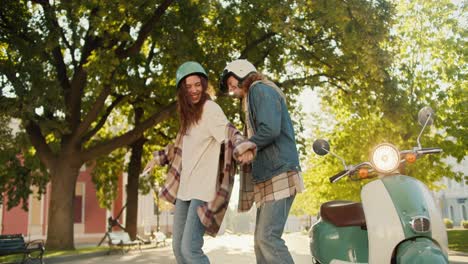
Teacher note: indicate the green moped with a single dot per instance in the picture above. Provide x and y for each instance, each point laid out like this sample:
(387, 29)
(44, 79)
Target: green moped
(397, 221)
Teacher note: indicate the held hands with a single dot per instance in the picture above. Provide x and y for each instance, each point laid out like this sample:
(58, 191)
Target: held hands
(246, 157)
(245, 152)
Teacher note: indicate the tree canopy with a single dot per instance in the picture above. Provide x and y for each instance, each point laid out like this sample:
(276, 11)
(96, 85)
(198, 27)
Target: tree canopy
(87, 78)
(428, 67)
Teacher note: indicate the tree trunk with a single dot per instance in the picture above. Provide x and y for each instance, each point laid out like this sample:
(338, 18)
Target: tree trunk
(132, 187)
(134, 169)
(60, 232)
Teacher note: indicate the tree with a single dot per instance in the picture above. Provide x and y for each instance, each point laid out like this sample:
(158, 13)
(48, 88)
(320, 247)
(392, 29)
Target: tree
(64, 76)
(428, 68)
(87, 78)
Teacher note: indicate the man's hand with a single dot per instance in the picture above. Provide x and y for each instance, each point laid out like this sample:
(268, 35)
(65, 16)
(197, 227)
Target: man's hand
(246, 157)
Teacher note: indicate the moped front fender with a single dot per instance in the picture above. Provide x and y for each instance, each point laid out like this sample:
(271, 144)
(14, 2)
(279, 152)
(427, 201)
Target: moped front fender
(421, 250)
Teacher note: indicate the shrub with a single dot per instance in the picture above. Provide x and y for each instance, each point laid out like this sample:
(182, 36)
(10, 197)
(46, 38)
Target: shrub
(464, 223)
(448, 223)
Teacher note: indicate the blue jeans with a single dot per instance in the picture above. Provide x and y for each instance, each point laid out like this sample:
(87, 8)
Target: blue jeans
(271, 219)
(187, 233)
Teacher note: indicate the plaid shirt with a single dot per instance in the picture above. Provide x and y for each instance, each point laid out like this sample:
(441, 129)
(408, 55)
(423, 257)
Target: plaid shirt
(211, 213)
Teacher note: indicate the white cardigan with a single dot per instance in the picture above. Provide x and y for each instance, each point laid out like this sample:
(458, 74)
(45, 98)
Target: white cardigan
(200, 154)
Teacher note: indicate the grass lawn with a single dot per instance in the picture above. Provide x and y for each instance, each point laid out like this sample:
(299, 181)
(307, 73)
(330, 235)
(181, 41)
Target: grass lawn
(458, 240)
(55, 253)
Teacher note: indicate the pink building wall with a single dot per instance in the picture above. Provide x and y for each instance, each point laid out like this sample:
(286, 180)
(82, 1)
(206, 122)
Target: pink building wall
(94, 216)
(118, 203)
(16, 220)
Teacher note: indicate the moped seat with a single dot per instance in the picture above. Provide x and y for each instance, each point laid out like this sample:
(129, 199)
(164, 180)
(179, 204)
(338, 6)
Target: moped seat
(343, 213)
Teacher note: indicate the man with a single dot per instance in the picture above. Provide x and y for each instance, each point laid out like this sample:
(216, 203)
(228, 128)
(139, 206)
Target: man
(275, 173)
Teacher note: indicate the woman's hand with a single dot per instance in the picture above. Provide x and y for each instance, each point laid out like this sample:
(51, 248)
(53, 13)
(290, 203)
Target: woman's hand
(246, 157)
(148, 167)
(160, 158)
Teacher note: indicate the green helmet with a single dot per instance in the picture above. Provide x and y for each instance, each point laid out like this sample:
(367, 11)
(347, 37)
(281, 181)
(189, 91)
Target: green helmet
(189, 68)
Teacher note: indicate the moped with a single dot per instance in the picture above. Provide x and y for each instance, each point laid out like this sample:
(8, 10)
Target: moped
(397, 220)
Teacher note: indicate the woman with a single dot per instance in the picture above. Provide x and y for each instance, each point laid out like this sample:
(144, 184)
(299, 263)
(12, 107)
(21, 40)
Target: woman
(192, 179)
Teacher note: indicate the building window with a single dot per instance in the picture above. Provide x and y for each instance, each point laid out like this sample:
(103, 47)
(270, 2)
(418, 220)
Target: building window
(78, 209)
(78, 203)
(451, 213)
(464, 212)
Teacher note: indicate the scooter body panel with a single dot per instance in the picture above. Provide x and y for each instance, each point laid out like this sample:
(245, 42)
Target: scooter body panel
(439, 232)
(389, 204)
(421, 250)
(401, 199)
(412, 199)
(382, 220)
(347, 244)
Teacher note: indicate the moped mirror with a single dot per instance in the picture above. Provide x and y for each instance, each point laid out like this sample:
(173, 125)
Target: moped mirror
(321, 147)
(426, 116)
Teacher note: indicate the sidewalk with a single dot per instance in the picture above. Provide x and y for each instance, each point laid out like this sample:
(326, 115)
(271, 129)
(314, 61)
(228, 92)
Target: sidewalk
(226, 249)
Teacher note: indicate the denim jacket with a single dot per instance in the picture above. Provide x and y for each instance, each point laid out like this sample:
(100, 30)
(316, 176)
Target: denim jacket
(273, 133)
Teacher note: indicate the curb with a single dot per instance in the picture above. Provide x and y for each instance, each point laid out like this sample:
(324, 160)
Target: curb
(75, 257)
(458, 253)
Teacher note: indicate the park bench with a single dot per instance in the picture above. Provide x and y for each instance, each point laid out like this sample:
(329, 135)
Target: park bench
(121, 240)
(160, 238)
(14, 245)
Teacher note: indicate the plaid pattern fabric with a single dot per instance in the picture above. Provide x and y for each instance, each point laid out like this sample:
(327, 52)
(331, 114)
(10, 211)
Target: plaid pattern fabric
(246, 189)
(171, 185)
(281, 186)
(211, 213)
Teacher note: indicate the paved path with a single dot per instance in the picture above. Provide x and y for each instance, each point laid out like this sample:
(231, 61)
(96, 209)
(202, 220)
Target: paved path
(226, 249)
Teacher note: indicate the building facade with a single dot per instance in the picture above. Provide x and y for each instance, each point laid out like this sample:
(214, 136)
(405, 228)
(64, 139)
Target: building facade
(453, 199)
(90, 221)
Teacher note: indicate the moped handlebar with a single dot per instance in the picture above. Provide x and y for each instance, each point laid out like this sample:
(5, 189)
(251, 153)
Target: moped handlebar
(338, 176)
(429, 151)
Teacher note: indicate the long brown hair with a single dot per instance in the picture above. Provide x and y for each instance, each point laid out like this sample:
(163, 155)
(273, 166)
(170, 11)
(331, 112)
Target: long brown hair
(251, 78)
(190, 114)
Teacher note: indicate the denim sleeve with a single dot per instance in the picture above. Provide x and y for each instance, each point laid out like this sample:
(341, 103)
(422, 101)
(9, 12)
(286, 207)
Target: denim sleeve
(266, 107)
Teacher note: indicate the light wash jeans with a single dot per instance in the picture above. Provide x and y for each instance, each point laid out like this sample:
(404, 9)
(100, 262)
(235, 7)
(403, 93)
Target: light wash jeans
(271, 219)
(187, 233)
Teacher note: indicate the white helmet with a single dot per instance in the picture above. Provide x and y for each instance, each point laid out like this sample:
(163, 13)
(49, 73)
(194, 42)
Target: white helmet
(240, 69)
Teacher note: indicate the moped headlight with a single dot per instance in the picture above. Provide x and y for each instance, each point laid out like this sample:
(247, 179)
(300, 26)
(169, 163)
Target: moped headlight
(385, 158)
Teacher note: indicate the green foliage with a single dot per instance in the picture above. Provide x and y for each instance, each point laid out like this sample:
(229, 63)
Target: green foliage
(74, 72)
(106, 173)
(20, 169)
(464, 223)
(423, 64)
(448, 223)
(50, 61)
